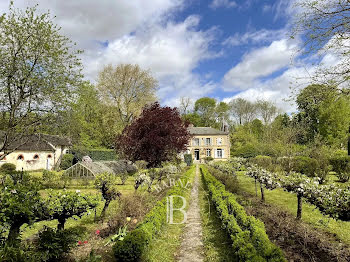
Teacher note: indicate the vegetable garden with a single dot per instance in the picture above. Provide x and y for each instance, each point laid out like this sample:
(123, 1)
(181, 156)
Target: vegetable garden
(112, 218)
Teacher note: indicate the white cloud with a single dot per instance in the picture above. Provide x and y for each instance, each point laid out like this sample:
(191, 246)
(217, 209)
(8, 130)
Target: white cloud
(259, 63)
(102, 20)
(167, 50)
(282, 89)
(138, 32)
(222, 3)
(254, 37)
(170, 51)
(278, 90)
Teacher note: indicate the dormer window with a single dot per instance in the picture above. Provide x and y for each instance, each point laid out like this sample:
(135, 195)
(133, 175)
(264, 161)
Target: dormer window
(20, 157)
(49, 156)
(36, 157)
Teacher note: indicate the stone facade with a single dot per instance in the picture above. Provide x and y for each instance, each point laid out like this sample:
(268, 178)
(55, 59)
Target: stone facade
(208, 142)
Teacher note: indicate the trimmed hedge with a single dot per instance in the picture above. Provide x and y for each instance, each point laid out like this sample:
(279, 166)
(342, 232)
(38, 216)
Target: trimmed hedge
(97, 154)
(7, 168)
(250, 241)
(135, 242)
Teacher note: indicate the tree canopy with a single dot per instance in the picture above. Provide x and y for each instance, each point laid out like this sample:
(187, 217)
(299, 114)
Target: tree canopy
(158, 135)
(39, 69)
(128, 88)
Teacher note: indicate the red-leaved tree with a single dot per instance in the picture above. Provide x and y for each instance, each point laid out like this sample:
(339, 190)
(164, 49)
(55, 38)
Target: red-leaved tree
(157, 135)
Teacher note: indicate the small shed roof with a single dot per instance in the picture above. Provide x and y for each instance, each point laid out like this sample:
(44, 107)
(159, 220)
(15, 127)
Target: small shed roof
(206, 131)
(37, 142)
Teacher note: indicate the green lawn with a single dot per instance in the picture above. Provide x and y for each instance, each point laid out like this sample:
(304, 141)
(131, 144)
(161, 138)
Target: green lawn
(288, 202)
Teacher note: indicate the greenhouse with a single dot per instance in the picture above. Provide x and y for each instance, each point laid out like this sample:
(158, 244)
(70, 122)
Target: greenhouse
(91, 169)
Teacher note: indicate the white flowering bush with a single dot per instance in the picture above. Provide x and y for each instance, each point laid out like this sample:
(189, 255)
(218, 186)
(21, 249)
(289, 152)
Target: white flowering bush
(329, 199)
(224, 167)
(268, 179)
(142, 179)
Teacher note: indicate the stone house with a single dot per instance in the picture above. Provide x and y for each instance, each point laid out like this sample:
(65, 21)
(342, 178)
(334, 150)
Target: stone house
(38, 151)
(208, 142)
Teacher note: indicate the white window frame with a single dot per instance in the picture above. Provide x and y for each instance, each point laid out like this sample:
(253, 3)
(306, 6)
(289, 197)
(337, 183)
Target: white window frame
(208, 152)
(217, 153)
(219, 141)
(196, 142)
(206, 141)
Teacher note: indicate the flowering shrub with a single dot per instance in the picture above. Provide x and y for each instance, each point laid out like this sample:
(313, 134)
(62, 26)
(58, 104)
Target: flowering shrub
(266, 178)
(329, 199)
(142, 179)
(224, 167)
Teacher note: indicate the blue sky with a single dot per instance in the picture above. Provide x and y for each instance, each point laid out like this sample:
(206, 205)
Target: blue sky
(219, 48)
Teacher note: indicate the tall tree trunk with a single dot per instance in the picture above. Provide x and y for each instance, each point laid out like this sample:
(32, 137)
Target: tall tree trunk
(262, 193)
(14, 232)
(300, 206)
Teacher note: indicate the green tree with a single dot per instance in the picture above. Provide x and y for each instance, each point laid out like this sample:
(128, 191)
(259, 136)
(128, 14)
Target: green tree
(128, 88)
(205, 108)
(222, 113)
(334, 120)
(193, 118)
(243, 110)
(39, 69)
(309, 101)
(267, 110)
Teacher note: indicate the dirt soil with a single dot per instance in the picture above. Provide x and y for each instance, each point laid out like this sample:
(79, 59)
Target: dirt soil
(298, 240)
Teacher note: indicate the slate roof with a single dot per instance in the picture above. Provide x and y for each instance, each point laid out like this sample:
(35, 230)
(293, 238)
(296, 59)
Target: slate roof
(38, 142)
(206, 131)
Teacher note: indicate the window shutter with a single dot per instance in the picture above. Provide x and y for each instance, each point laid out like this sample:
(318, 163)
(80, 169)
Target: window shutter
(215, 153)
(223, 153)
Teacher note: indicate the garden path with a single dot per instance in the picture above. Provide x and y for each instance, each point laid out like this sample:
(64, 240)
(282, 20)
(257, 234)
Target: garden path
(192, 249)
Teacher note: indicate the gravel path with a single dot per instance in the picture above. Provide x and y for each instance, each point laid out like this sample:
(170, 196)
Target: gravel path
(191, 249)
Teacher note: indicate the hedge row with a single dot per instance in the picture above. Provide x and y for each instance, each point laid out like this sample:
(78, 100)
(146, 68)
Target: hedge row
(250, 241)
(134, 244)
(97, 154)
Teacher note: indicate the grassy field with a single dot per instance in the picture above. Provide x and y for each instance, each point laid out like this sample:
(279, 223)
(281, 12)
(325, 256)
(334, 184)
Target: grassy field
(288, 202)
